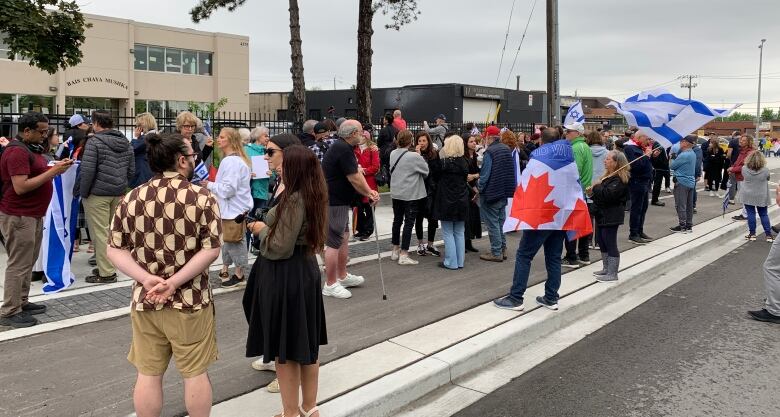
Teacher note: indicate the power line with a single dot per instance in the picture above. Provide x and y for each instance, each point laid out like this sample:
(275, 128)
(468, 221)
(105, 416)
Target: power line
(514, 61)
(506, 38)
(690, 84)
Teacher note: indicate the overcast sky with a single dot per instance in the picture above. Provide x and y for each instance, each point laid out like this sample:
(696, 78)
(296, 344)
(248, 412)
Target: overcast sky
(609, 48)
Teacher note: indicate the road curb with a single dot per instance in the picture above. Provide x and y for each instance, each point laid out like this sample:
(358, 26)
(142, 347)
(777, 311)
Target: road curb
(388, 394)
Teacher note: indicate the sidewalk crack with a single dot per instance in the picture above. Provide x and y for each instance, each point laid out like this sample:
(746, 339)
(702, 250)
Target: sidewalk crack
(470, 389)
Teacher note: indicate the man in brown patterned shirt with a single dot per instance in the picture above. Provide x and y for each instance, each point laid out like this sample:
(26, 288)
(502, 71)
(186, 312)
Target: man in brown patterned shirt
(164, 235)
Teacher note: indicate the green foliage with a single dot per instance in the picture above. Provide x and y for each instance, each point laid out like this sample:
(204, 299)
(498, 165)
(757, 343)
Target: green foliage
(210, 108)
(740, 117)
(205, 8)
(769, 114)
(48, 33)
(402, 12)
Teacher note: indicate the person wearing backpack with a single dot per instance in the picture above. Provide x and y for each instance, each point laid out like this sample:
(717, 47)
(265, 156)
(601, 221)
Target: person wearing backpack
(437, 132)
(25, 195)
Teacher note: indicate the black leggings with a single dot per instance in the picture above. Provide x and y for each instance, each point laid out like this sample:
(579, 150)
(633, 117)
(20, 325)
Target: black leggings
(404, 213)
(422, 213)
(607, 238)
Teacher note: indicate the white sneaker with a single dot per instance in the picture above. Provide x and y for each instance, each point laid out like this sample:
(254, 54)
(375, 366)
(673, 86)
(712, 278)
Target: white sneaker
(395, 254)
(336, 291)
(258, 365)
(719, 195)
(712, 193)
(352, 280)
(668, 190)
(406, 260)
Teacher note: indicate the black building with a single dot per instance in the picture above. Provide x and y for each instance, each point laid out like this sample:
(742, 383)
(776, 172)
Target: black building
(458, 102)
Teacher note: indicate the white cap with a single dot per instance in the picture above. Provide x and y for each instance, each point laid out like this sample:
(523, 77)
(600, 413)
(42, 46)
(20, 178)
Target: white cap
(575, 126)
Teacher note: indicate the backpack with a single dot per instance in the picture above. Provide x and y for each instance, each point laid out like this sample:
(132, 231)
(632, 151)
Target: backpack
(14, 143)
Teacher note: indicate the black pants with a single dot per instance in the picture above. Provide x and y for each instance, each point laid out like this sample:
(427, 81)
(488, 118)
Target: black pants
(607, 238)
(422, 213)
(404, 212)
(637, 190)
(658, 178)
(713, 179)
(365, 219)
(577, 248)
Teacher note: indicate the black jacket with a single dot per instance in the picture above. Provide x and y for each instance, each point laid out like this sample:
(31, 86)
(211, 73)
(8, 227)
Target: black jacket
(385, 143)
(713, 162)
(609, 201)
(452, 191)
(108, 165)
(660, 162)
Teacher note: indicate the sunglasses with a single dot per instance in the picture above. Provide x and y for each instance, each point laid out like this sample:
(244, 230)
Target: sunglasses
(271, 151)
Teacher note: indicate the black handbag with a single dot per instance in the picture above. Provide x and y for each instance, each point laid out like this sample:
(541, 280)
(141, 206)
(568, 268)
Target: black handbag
(383, 176)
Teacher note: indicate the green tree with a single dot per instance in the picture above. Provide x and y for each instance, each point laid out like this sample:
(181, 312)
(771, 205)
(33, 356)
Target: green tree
(208, 108)
(297, 105)
(402, 12)
(48, 33)
(768, 114)
(740, 117)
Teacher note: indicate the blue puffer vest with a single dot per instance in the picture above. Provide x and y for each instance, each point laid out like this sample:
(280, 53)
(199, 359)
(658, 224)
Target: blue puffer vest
(501, 183)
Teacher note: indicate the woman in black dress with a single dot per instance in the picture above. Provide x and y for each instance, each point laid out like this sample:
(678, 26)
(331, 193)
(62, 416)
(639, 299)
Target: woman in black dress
(474, 223)
(283, 301)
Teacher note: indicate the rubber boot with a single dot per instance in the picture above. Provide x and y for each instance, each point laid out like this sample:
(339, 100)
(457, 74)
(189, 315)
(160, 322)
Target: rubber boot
(613, 264)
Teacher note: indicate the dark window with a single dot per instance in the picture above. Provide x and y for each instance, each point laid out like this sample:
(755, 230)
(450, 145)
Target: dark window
(189, 62)
(350, 113)
(204, 63)
(315, 114)
(172, 60)
(140, 57)
(156, 59)
(281, 114)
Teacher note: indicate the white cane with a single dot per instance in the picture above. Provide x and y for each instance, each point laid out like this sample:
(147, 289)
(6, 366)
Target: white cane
(378, 253)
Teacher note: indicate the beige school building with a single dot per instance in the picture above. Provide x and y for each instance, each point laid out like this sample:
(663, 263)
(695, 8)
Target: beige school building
(130, 67)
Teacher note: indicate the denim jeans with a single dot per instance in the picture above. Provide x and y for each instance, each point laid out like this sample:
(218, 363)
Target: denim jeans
(683, 202)
(404, 213)
(638, 192)
(530, 243)
(751, 219)
(494, 216)
(454, 243)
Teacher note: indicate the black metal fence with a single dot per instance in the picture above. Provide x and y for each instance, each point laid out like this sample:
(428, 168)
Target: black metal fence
(125, 122)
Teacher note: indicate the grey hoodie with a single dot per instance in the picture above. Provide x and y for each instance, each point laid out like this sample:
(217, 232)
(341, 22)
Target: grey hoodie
(754, 189)
(437, 134)
(108, 165)
(599, 153)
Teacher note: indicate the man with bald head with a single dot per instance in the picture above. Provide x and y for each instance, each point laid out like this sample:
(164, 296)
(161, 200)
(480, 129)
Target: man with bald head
(637, 151)
(344, 183)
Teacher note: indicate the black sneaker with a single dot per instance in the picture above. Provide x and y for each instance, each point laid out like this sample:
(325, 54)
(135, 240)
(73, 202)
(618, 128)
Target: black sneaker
(97, 279)
(637, 240)
(763, 315)
(568, 263)
(583, 261)
(677, 229)
(233, 282)
(646, 237)
(37, 276)
(739, 217)
(507, 303)
(32, 308)
(658, 203)
(545, 303)
(432, 250)
(18, 320)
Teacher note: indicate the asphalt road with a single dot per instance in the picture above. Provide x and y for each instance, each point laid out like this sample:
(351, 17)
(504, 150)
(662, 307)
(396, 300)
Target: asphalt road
(689, 351)
(83, 370)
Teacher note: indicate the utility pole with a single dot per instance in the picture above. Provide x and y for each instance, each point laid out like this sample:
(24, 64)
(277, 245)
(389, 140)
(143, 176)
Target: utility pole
(518, 83)
(758, 105)
(690, 84)
(334, 82)
(553, 83)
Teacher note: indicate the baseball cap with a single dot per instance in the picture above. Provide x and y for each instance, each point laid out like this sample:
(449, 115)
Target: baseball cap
(440, 116)
(692, 139)
(76, 120)
(320, 128)
(492, 130)
(575, 126)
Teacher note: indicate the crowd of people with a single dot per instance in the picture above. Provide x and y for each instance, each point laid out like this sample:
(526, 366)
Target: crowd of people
(151, 217)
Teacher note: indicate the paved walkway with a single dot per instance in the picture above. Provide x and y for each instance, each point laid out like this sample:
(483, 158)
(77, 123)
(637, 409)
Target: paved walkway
(88, 372)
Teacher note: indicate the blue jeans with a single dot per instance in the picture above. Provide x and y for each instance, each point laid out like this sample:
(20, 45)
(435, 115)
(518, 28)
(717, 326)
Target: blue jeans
(530, 243)
(494, 216)
(454, 243)
(751, 219)
(637, 190)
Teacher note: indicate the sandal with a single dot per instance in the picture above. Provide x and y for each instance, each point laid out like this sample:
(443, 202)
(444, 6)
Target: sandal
(224, 275)
(312, 411)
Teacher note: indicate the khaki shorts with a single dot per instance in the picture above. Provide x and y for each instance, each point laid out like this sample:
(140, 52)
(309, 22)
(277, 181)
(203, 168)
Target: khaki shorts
(190, 337)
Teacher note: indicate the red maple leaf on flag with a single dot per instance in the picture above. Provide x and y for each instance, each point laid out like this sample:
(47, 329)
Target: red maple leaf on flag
(529, 204)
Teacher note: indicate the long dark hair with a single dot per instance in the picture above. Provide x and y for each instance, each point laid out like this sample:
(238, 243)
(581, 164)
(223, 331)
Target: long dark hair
(302, 174)
(427, 153)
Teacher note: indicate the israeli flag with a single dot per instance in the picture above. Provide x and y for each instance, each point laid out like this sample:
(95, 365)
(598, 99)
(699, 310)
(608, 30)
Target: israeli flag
(59, 230)
(666, 118)
(201, 173)
(575, 114)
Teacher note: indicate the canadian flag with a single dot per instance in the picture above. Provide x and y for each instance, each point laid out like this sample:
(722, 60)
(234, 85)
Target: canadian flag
(549, 195)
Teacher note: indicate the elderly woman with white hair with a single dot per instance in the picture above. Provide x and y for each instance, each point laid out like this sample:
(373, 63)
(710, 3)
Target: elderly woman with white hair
(258, 139)
(451, 205)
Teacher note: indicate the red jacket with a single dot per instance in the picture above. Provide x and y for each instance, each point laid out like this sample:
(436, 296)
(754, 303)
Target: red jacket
(368, 160)
(399, 123)
(736, 169)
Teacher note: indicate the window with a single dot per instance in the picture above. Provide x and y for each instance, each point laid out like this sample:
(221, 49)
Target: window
(281, 114)
(350, 113)
(172, 60)
(140, 106)
(315, 114)
(156, 59)
(204, 63)
(140, 57)
(189, 62)
(5, 49)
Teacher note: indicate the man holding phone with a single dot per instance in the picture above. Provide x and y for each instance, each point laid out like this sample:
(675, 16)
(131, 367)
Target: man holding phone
(26, 193)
